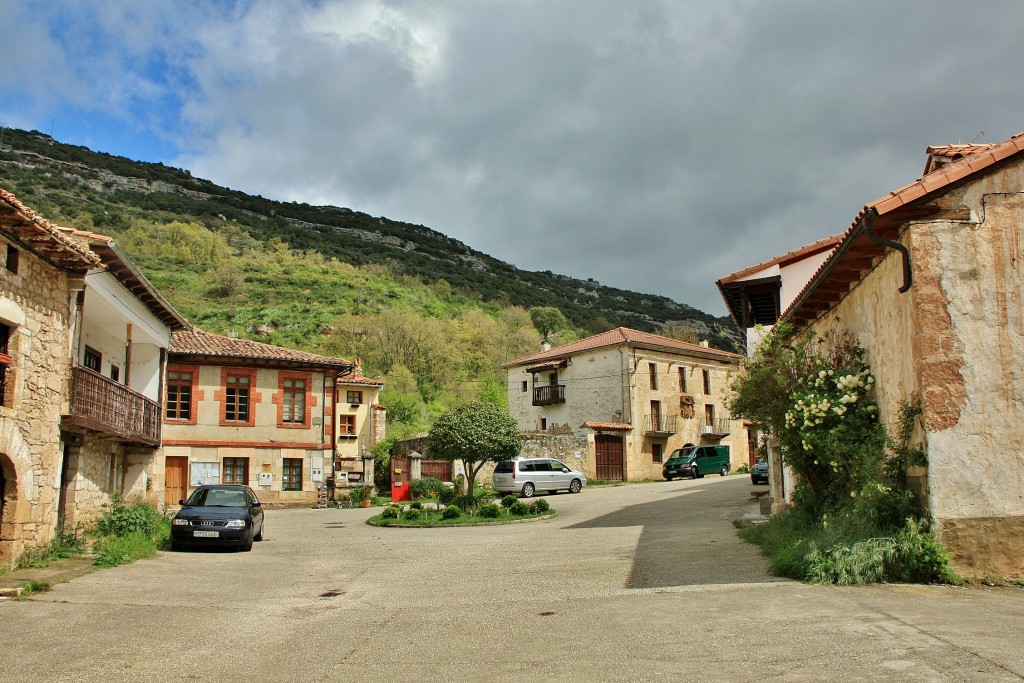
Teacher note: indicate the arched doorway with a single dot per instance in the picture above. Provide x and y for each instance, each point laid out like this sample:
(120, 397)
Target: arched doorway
(8, 494)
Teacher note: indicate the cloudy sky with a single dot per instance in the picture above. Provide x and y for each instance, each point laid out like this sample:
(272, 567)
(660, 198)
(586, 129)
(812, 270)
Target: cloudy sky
(653, 145)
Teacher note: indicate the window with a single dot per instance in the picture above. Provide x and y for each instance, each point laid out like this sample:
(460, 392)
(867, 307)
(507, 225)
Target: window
(5, 362)
(179, 395)
(656, 451)
(291, 474)
(294, 397)
(707, 382)
(354, 397)
(553, 379)
(709, 415)
(12, 259)
(525, 386)
(682, 380)
(93, 359)
(236, 399)
(656, 421)
(115, 373)
(543, 424)
(347, 425)
(652, 370)
(236, 470)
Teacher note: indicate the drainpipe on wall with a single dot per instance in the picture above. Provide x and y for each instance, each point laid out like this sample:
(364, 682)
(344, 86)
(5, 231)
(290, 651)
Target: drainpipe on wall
(869, 219)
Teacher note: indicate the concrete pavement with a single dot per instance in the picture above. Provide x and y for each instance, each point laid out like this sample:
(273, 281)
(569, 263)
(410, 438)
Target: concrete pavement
(634, 583)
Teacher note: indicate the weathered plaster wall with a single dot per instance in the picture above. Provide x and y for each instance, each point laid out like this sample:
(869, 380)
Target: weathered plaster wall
(955, 339)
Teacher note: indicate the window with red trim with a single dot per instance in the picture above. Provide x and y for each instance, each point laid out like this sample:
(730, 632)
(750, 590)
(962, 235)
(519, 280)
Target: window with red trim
(293, 395)
(5, 361)
(237, 395)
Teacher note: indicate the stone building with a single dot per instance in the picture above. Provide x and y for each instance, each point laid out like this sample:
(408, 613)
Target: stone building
(243, 412)
(929, 279)
(83, 336)
(42, 274)
(635, 396)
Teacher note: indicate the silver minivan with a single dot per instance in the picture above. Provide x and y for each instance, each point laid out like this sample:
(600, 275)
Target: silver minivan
(529, 475)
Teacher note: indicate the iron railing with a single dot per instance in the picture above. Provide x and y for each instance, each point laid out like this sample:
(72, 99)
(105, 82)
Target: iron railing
(660, 424)
(716, 428)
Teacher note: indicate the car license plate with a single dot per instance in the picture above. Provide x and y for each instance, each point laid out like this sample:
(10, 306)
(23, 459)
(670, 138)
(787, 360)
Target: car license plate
(205, 534)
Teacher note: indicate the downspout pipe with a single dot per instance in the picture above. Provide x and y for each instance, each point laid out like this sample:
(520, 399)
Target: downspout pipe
(869, 220)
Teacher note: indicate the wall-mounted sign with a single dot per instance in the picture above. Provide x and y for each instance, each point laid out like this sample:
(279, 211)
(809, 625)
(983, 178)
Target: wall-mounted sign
(204, 473)
(266, 478)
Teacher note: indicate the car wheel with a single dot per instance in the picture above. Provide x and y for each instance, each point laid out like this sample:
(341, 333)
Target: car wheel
(668, 478)
(528, 490)
(177, 547)
(575, 486)
(694, 474)
(247, 546)
(725, 471)
(259, 536)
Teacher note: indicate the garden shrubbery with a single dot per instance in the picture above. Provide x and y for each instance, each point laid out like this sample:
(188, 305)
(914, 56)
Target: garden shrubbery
(129, 531)
(853, 519)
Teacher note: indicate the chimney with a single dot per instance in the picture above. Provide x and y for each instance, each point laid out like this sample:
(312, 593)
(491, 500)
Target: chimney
(545, 345)
(705, 343)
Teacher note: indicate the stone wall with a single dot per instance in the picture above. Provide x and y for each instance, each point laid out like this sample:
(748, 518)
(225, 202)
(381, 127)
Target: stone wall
(34, 303)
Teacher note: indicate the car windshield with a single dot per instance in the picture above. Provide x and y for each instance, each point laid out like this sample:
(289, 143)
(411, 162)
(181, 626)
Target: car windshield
(223, 498)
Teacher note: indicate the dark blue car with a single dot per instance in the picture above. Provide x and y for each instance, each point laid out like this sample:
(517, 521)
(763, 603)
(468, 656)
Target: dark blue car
(218, 514)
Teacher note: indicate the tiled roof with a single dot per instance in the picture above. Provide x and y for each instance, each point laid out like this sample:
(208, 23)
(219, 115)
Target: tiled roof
(623, 336)
(196, 343)
(360, 380)
(607, 426)
(43, 237)
(851, 259)
(791, 256)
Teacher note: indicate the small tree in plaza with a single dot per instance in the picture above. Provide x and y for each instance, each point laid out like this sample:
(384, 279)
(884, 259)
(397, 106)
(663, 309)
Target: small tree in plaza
(474, 434)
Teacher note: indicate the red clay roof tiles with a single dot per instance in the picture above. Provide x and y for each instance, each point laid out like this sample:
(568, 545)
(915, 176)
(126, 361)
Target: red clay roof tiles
(196, 342)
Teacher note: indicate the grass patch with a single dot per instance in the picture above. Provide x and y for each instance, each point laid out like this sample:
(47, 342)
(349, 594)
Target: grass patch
(128, 532)
(31, 587)
(65, 545)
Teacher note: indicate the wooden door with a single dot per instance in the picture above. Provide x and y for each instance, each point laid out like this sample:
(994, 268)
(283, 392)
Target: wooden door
(175, 479)
(608, 456)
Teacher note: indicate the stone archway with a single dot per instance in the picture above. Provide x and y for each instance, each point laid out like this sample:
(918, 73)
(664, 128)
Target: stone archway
(10, 546)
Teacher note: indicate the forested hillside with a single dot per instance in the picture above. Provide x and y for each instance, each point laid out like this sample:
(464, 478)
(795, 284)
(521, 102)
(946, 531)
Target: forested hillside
(429, 315)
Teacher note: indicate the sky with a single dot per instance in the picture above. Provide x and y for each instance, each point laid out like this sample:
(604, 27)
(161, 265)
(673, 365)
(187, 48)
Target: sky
(652, 145)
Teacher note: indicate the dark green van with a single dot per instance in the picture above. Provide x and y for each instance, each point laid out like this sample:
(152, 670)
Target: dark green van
(696, 461)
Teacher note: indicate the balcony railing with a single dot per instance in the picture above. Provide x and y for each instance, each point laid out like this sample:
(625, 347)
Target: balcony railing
(716, 429)
(548, 394)
(102, 405)
(660, 424)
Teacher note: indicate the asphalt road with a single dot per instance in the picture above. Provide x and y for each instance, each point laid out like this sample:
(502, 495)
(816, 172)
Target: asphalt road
(635, 583)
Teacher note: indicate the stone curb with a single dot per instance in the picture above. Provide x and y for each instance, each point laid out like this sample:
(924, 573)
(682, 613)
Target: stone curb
(444, 526)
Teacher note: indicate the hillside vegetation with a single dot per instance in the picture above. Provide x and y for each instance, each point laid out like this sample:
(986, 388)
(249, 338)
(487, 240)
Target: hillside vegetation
(431, 317)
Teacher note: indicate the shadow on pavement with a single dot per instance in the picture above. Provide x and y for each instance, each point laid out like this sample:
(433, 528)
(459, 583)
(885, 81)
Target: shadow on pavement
(690, 539)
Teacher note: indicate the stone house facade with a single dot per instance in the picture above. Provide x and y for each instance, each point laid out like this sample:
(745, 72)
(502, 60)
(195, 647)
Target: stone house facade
(83, 336)
(929, 279)
(360, 426)
(242, 412)
(635, 396)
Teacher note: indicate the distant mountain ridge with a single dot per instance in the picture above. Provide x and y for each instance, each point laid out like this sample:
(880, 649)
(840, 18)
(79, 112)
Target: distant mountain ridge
(341, 233)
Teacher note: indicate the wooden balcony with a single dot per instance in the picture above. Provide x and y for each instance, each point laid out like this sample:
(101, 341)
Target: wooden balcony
(716, 429)
(660, 424)
(548, 394)
(102, 405)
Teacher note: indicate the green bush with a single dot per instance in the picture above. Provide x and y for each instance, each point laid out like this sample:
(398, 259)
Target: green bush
(489, 510)
(416, 505)
(452, 512)
(446, 495)
(519, 508)
(123, 519)
(508, 501)
(412, 514)
(391, 512)
(426, 487)
(539, 506)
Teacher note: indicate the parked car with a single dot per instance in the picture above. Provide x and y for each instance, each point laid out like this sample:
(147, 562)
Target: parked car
(696, 461)
(526, 476)
(759, 472)
(218, 514)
